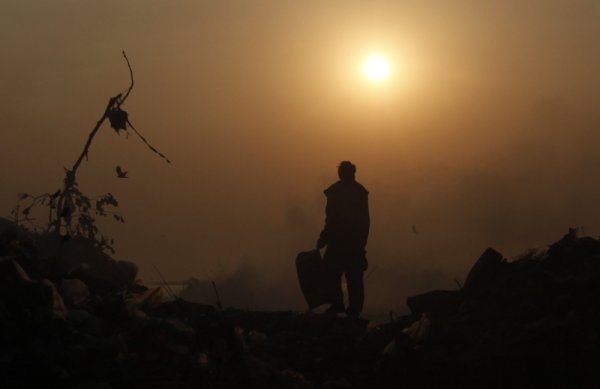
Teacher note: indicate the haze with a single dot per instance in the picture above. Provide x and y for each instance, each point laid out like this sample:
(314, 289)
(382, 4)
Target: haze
(486, 135)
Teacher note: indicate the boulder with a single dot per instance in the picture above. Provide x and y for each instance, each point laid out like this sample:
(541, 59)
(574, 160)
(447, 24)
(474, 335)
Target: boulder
(14, 286)
(11, 273)
(51, 305)
(483, 272)
(80, 258)
(14, 240)
(74, 292)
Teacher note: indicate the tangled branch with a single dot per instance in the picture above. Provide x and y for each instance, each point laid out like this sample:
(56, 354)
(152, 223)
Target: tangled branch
(70, 212)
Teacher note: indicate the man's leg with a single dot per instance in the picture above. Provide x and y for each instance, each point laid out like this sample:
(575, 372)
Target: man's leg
(356, 292)
(333, 281)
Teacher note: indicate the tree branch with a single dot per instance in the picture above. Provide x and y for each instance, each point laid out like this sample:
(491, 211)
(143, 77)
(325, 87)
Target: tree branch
(126, 95)
(70, 178)
(86, 148)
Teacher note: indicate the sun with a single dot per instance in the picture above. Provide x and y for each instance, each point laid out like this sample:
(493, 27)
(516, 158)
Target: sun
(376, 68)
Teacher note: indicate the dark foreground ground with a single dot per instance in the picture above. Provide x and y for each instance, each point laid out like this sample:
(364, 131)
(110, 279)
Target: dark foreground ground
(81, 321)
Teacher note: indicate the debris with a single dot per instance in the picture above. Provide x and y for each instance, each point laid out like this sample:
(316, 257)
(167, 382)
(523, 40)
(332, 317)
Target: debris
(52, 305)
(419, 330)
(118, 119)
(12, 274)
(529, 322)
(74, 291)
(81, 259)
(483, 272)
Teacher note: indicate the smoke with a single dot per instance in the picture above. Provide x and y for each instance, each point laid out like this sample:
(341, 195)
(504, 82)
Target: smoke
(488, 137)
(251, 286)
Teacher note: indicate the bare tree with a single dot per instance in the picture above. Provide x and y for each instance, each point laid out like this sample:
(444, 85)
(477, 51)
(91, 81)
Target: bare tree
(70, 212)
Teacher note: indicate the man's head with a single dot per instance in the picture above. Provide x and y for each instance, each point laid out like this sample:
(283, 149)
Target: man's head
(346, 171)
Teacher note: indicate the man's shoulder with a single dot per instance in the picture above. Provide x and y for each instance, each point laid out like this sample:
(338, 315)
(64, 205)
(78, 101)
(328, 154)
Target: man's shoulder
(346, 186)
(361, 188)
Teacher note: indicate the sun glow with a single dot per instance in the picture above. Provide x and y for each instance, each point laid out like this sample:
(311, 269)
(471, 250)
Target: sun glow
(376, 68)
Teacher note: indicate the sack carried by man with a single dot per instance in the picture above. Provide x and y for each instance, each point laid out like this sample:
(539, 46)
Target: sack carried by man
(311, 277)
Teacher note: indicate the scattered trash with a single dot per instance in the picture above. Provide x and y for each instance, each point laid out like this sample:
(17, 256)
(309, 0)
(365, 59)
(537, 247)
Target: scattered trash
(419, 330)
(529, 322)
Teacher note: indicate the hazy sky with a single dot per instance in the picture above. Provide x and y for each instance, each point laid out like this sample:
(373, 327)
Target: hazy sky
(486, 134)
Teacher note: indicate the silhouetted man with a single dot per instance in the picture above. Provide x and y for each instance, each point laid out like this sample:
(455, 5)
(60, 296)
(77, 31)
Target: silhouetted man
(345, 235)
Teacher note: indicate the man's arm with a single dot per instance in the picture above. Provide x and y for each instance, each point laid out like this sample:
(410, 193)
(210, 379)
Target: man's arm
(325, 233)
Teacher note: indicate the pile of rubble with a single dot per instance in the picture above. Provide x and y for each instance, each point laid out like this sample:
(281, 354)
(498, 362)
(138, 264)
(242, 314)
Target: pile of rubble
(71, 316)
(522, 323)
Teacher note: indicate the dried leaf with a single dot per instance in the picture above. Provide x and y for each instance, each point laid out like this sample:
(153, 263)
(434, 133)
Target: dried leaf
(118, 119)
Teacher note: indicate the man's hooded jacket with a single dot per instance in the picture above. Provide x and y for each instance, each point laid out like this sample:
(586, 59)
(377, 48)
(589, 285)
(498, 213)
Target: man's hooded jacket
(346, 216)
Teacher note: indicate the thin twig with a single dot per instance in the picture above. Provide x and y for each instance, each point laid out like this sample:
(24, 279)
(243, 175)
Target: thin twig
(122, 100)
(117, 101)
(147, 143)
(219, 305)
(458, 283)
(111, 102)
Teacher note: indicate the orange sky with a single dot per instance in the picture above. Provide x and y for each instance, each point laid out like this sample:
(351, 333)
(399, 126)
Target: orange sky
(486, 134)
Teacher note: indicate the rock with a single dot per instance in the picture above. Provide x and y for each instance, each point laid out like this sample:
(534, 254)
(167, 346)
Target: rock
(5, 225)
(52, 305)
(419, 331)
(20, 293)
(80, 258)
(202, 360)
(12, 274)
(14, 286)
(483, 272)
(74, 292)
(250, 338)
(402, 343)
(565, 254)
(14, 240)
(529, 322)
(84, 321)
